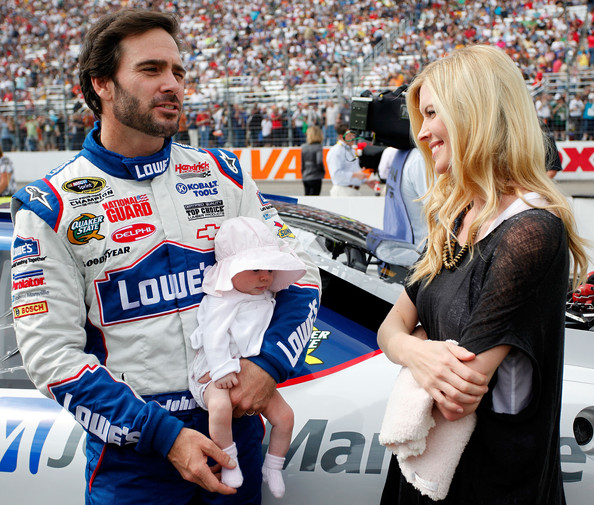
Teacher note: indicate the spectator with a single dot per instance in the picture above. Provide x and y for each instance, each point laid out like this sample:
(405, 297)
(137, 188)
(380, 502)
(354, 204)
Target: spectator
(255, 127)
(312, 162)
(576, 110)
(7, 182)
(588, 118)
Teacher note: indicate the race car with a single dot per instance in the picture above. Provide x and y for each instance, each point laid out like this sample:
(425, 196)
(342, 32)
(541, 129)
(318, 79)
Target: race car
(338, 398)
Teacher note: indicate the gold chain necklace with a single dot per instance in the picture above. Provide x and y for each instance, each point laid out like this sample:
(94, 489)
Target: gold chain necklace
(452, 263)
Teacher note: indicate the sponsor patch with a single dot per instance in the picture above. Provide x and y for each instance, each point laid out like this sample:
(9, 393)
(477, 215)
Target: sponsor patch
(31, 279)
(88, 185)
(150, 170)
(201, 169)
(265, 204)
(83, 201)
(283, 230)
(133, 232)
(204, 209)
(84, 228)
(109, 253)
(38, 195)
(198, 188)
(123, 209)
(24, 248)
(209, 231)
(161, 282)
(30, 309)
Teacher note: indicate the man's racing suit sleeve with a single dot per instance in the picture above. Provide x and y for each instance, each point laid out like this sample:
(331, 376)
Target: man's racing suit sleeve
(50, 329)
(285, 342)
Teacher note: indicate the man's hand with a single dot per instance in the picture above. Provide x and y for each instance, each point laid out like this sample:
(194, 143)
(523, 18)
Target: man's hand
(255, 388)
(189, 455)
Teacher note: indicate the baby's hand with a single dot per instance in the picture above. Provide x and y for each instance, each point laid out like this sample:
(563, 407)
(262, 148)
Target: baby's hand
(227, 382)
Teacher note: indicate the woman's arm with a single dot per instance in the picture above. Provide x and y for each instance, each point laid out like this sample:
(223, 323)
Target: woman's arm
(443, 369)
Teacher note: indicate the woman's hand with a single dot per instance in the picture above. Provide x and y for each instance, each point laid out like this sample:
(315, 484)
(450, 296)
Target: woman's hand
(442, 369)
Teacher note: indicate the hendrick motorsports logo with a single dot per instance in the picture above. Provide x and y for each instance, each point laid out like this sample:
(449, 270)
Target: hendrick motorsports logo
(84, 228)
(89, 185)
(200, 169)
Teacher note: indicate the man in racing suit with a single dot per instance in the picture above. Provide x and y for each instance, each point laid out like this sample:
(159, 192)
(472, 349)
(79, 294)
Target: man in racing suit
(114, 245)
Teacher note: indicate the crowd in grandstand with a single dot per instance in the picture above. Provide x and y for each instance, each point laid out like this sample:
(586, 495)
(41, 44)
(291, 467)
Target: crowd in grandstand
(306, 42)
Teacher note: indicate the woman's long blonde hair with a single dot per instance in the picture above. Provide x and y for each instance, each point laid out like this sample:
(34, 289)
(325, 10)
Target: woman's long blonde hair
(498, 147)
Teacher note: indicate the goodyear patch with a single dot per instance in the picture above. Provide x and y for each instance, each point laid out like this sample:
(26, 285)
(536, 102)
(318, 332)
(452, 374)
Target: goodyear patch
(87, 185)
(29, 309)
(84, 228)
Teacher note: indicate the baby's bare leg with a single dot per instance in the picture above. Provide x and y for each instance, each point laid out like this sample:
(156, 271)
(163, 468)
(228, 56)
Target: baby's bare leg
(280, 415)
(220, 413)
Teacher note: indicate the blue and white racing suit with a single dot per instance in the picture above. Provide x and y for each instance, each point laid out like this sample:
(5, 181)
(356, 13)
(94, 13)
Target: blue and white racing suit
(109, 254)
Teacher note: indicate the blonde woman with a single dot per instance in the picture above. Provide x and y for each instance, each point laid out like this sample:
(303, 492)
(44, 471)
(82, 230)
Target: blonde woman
(493, 278)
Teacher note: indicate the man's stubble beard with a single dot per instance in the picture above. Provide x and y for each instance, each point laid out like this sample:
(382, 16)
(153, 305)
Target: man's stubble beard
(127, 110)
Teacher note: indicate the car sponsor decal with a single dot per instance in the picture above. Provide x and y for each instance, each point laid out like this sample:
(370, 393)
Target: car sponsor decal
(123, 209)
(198, 188)
(33, 439)
(165, 280)
(30, 309)
(133, 232)
(89, 185)
(24, 248)
(200, 169)
(84, 228)
(27, 423)
(30, 279)
(332, 346)
(200, 210)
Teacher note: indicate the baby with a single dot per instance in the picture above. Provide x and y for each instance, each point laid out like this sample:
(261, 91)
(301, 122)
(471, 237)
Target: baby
(251, 266)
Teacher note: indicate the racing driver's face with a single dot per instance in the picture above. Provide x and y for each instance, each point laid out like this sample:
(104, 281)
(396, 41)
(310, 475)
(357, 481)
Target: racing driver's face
(148, 88)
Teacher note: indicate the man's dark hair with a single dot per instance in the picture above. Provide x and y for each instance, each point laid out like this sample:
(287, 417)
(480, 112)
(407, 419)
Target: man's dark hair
(341, 129)
(101, 53)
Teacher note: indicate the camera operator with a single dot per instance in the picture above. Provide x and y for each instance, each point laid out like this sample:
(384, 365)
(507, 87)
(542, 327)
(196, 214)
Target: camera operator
(346, 173)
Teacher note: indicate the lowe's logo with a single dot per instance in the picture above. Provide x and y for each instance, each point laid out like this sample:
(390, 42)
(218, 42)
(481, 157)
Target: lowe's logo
(24, 248)
(166, 280)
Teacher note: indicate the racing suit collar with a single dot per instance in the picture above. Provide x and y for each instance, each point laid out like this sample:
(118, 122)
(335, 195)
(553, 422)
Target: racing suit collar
(139, 168)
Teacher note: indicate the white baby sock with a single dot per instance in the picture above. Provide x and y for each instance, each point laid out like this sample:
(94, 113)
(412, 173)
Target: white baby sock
(232, 476)
(272, 475)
